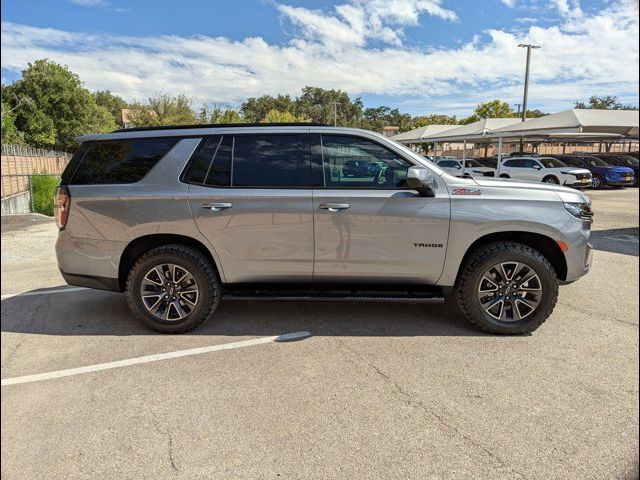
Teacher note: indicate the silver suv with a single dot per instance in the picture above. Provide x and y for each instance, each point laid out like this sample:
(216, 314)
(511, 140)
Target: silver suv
(179, 218)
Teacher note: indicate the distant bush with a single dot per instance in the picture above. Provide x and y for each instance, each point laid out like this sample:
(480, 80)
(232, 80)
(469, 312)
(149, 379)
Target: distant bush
(43, 189)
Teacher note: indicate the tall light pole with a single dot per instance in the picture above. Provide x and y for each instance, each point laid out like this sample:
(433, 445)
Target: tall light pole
(518, 105)
(528, 46)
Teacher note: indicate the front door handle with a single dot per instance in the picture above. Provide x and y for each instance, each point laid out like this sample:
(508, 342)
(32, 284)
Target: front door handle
(216, 207)
(334, 207)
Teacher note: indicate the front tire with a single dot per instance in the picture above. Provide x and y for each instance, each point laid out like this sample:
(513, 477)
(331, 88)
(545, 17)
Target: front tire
(551, 179)
(597, 182)
(173, 289)
(507, 288)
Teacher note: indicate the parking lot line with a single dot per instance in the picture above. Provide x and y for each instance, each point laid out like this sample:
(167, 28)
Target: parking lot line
(43, 292)
(154, 358)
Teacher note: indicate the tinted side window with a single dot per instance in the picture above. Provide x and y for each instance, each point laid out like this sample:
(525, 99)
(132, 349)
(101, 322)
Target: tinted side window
(199, 165)
(271, 161)
(73, 163)
(381, 168)
(120, 161)
(574, 162)
(448, 164)
(211, 164)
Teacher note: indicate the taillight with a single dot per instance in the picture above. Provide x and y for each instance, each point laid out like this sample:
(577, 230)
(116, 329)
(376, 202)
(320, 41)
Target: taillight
(62, 202)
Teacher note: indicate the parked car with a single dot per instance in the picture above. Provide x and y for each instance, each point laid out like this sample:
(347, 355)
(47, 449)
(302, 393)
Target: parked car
(622, 161)
(181, 218)
(603, 174)
(545, 169)
(374, 168)
(473, 168)
(523, 154)
(356, 168)
(491, 162)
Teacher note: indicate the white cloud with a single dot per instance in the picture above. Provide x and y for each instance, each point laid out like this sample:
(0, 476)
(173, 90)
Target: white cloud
(91, 3)
(361, 20)
(596, 55)
(509, 3)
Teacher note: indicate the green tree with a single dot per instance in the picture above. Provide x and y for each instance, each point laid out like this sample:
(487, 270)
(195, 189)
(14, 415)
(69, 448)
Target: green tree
(319, 105)
(217, 114)
(164, 109)
(53, 107)
(436, 119)
(10, 133)
(114, 103)
(607, 102)
(492, 109)
(255, 109)
(276, 116)
(536, 113)
(378, 117)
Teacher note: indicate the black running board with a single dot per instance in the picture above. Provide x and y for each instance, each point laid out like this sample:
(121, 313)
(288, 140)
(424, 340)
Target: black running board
(412, 297)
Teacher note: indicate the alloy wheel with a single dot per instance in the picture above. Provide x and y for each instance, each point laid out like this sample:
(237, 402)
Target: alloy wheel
(169, 292)
(509, 291)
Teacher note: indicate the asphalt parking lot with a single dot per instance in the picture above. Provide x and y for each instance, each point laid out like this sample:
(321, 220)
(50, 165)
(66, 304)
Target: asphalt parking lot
(376, 390)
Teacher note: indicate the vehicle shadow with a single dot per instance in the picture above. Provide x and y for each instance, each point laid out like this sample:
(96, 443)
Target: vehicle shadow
(616, 240)
(94, 312)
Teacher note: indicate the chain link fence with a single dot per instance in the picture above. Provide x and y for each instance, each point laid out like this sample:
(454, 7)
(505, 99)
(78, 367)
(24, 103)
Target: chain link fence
(29, 176)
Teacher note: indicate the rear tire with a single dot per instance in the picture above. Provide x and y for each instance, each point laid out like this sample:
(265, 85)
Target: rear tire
(471, 282)
(161, 268)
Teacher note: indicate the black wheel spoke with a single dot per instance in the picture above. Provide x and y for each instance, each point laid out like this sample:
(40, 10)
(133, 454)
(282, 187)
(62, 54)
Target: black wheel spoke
(169, 292)
(509, 291)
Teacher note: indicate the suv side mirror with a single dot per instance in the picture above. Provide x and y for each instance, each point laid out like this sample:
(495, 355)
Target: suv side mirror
(537, 167)
(421, 179)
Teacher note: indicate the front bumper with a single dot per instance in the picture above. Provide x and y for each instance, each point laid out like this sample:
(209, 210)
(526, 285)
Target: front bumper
(578, 183)
(620, 182)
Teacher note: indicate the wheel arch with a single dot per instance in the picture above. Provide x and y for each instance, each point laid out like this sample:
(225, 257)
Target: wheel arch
(143, 244)
(542, 243)
(554, 176)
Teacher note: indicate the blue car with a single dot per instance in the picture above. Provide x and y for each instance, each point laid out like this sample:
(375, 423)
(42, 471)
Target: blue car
(603, 173)
(621, 160)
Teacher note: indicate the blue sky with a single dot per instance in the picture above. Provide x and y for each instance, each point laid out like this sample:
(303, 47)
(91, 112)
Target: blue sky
(423, 56)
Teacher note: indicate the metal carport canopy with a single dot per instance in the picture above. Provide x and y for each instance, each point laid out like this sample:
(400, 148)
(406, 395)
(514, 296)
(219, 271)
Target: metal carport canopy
(575, 121)
(417, 134)
(479, 130)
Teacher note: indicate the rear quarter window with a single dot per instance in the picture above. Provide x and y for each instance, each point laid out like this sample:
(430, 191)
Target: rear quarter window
(120, 161)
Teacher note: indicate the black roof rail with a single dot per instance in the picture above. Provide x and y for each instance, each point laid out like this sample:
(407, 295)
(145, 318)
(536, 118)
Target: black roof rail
(221, 125)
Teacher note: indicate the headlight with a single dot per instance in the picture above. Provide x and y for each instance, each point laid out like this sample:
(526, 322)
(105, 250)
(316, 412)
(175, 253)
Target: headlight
(580, 210)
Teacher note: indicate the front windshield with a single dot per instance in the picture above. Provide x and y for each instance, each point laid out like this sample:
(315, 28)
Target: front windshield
(595, 162)
(549, 162)
(631, 161)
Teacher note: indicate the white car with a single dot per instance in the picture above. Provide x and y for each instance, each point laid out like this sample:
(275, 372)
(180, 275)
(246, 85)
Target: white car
(545, 169)
(473, 168)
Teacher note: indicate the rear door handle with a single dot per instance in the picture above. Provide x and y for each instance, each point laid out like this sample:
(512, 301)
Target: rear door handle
(334, 207)
(216, 207)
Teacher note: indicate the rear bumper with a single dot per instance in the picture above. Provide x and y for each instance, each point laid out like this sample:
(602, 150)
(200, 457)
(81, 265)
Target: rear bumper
(90, 281)
(88, 262)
